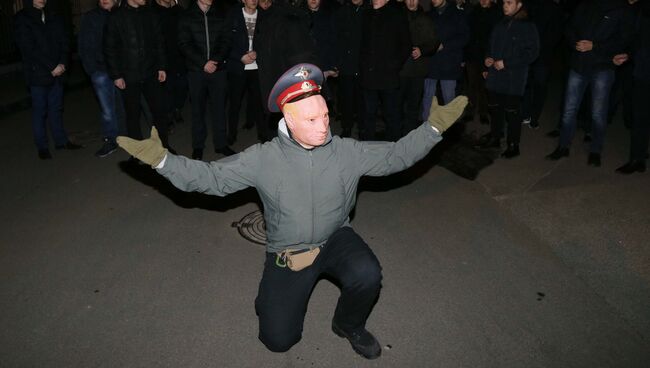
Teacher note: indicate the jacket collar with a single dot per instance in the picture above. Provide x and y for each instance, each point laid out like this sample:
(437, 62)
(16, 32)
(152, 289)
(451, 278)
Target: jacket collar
(287, 140)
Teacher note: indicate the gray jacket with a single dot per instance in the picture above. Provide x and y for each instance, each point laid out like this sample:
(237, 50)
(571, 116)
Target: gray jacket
(307, 194)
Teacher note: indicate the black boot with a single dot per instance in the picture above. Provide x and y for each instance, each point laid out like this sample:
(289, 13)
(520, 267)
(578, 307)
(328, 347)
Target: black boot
(362, 342)
(558, 153)
(511, 152)
(594, 159)
(632, 167)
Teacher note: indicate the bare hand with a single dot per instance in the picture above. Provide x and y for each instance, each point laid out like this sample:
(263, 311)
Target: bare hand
(120, 83)
(489, 62)
(210, 67)
(584, 45)
(331, 73)
(484, 74)
(58, 70)
(620, 59)
(498, 65)
(416, 53)
(248, 57)
(162, 76)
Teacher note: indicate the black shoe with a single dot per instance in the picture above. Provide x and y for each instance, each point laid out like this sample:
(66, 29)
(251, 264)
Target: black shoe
(69, 146)
(511, 152)
(44, 154)
(553, 133)
(587, 138)
(490, 143)
(248, 126)
(231, 140)
(632, 167)
(226, 151)
(362, 342)
(558, 154)
(109, 147)
(197, 154)
(594, 159)
(533, 125)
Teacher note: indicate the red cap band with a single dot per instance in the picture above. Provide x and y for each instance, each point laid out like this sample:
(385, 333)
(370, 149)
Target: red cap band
(295, 90)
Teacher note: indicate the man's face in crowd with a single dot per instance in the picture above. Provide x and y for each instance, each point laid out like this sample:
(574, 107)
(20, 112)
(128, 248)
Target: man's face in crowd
(206, 2)
(308, 120)
(438, 3)
(39, 4)
(250, 4)
(376, 4)
(357, 2)
(165, 3)
(510, 7)
(485, 3)
(313, 4)
(411, 5)
(136, 3)
(265, 4)
(106, 4)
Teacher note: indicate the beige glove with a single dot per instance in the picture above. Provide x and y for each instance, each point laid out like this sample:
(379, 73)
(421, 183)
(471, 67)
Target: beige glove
(150, 151)
(442, 117)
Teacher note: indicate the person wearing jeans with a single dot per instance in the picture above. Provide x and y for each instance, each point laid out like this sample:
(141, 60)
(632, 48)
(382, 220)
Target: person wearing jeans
(595, 33)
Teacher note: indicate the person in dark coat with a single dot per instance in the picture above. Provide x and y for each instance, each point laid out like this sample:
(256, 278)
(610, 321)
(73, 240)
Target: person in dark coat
(281, 40)
(243, 75)
(595, 34)
(176, 87)
(204, 39)
(640, 129)
(424, 44)
(446, 64)
(549, 20)
(135, 57)
(514, 45)
(348, 30)
(385, 46)
(91, 53)
(43, 45)
(482, 18)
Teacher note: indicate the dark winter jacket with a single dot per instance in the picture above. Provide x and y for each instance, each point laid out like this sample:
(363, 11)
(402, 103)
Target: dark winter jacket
(453, 32)
(133, 45)
(42, 45)
(169, 18)
(514, 41)
(481, 22)
(550, 23)
(600, 21)
(281, 41)
(641, 50)
(423, 36)
(385, 46)
(239, 44)
(348, 28)
(90, 38)
(199, 43)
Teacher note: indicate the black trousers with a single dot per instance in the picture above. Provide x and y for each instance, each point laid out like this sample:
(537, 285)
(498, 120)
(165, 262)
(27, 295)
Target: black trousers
(247, 82)
(640, 132)
(477, 93)
(204, 86)
(153, 92)
(389, 100)
(504, 110)
(283, 294)
(350, 98)
(536, 91)
(410, 98)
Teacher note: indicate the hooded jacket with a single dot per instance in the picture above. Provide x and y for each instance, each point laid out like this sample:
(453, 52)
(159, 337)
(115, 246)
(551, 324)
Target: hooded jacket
(42, 42)
(307, 194)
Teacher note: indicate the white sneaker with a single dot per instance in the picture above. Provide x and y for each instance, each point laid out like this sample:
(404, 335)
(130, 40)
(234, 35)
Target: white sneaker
(526, 121)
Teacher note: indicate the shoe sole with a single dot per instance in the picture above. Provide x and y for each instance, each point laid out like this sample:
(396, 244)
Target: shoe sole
(106, 154)
(342, 334)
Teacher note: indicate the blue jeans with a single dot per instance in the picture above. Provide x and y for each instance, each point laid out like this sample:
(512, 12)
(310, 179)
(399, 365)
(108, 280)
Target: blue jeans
(47, 105)
(108, 98)
(430, 86)
(601, 84)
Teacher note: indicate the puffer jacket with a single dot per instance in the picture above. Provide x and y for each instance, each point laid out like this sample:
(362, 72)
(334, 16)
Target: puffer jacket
(203, 37)
(307, 194)
(133, 45)
(42, 45)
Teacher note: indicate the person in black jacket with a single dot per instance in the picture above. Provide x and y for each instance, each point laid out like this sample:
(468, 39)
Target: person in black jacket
(243, 75)
(204, 39)
(136, 62)
(595, 34)
(169, 13)
(482, 18)
(347, 20)
(640, 129)
(423, 45)
(91, 53)
(385, 46)
(514, 45)
(43, 45)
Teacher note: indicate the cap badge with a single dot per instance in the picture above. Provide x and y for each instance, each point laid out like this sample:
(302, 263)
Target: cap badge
(303, 73)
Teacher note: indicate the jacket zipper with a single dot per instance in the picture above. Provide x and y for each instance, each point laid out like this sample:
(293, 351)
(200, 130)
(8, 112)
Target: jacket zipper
(207, 35)
(313, 204)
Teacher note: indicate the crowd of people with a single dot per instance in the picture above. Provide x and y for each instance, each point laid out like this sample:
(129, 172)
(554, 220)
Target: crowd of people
(393, 55)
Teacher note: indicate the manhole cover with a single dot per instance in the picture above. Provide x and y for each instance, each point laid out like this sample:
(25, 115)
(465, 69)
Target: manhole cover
(252, 227)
